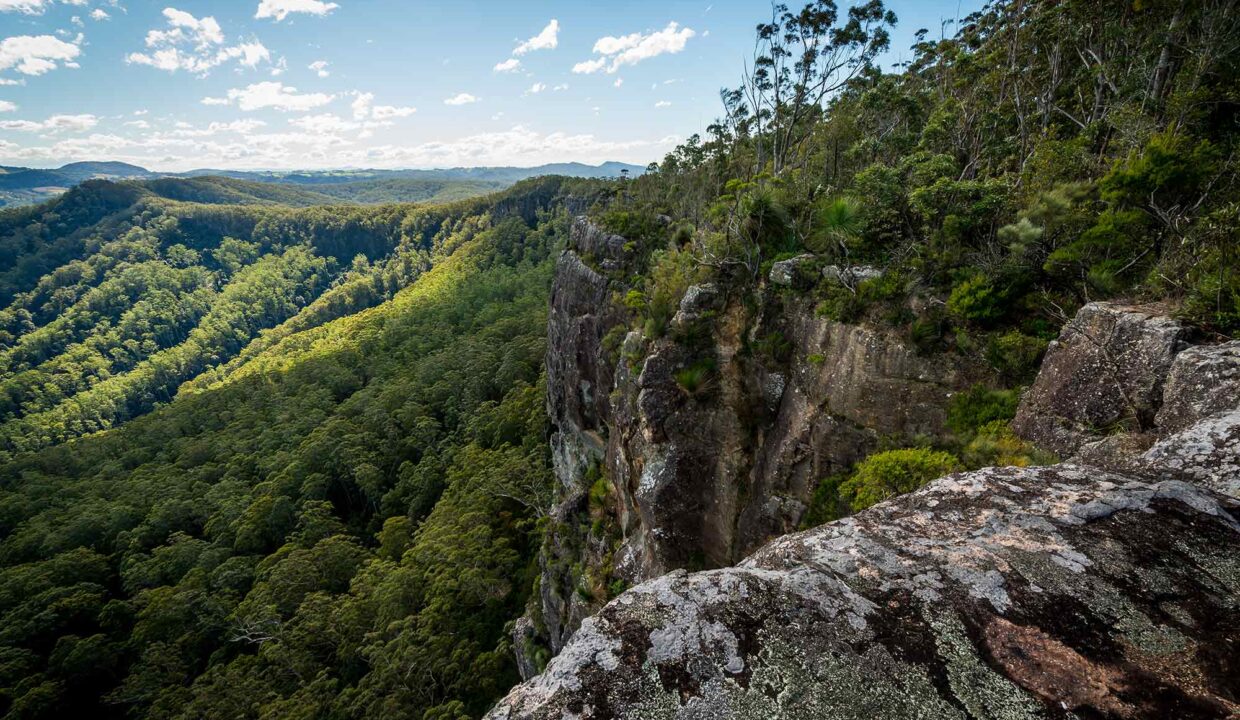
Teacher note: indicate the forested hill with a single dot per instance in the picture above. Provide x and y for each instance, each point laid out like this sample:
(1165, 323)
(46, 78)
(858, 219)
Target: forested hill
(341, 491)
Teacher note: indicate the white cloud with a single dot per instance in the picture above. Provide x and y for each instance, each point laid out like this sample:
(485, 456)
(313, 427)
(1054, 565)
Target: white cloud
(361, 105)
(631, 49)
(618, 82)
(140, 124)
(328, 146)
(32, 7)
(6, 82)
(6, 106)
(364, 109)
(662, 104)
(516, 146)
(195, 45)
(241, 127)
(508, 65)
(99, 14)
(325, 123)
(461, 99)
(561, 86)
(536, 88)
(320, 68)
(385, 112)
(545, 40)
(37, 54)
(55, 123)
(280, 67)
(274, 95)
(280, 9)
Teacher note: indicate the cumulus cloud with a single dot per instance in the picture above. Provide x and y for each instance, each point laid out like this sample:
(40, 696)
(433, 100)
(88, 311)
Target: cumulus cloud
(461, 99)
(547, 39)
(508, 65)
(616, 52)
(364, 108)
(280, 9)
(55, 123)
(662, 104)
(320, 68)
(323, 143)
(536, 88)
(241, 127)
(33, 7)
(385, 112)
(99, 14)
(195, 45)
(37, 54)
(274, 95)
(517, 146)
(6, 106)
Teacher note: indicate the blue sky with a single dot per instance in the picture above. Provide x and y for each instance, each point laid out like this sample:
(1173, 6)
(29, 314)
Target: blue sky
(281, 84)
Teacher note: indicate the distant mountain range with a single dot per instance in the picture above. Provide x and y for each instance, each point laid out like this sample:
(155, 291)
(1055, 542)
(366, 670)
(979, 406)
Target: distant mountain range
(22, 186)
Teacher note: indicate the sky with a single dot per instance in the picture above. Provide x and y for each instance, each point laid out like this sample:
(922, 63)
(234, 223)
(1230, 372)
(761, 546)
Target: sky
(175, 85)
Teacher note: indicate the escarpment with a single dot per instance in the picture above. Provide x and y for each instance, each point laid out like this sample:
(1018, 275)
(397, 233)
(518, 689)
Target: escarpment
(1105, 586)
(692, 448)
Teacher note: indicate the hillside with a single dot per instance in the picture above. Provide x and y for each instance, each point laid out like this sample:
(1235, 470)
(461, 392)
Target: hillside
(381, 432)
(24, 186)
(908, 394)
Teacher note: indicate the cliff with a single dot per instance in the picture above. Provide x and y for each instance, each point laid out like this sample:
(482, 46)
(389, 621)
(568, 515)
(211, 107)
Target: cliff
(1104, 586)
(654, 476)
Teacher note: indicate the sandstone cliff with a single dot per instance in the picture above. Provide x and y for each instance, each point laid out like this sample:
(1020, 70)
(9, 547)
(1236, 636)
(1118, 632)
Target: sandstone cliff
(1085, 589)
(1105, 586)
(654, 477)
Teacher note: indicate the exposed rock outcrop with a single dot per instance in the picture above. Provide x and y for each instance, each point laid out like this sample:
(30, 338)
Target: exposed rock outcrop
(1203, 380)
(705, 443)
(1105, 372)
(1063, 591)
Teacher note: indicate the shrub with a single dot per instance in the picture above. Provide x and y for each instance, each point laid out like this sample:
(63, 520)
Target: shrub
(826, 504)
(837, 225)
(893, 472)
(979, 406)
(976, 301)
(697, 378)
(996, 444)
(1016, 354)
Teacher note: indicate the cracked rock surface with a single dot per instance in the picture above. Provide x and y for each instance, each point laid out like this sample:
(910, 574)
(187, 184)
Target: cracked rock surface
(1057, 592)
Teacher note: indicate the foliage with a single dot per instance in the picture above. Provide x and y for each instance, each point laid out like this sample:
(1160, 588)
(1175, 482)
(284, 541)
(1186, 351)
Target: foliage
(970, 410)
(346, 484)
(885, 474)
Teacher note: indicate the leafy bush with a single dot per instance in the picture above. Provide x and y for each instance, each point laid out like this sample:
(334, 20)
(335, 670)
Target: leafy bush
(978, 406)
(826, 504)
(1016, 354)
(996, 445)
(976, 300)
(886, 474)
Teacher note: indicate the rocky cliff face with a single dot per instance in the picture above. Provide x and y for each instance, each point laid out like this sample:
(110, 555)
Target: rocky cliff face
(655, 475)
(1085, 589)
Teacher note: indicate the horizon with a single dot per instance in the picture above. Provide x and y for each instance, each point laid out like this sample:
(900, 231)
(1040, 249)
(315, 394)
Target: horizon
(309, 85)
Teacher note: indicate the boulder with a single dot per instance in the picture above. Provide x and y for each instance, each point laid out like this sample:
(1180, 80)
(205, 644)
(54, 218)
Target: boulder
(1105, 372)
(850, 275)
(784, 272)
(1207, 453)
(1204, 379)
(1051, 592)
